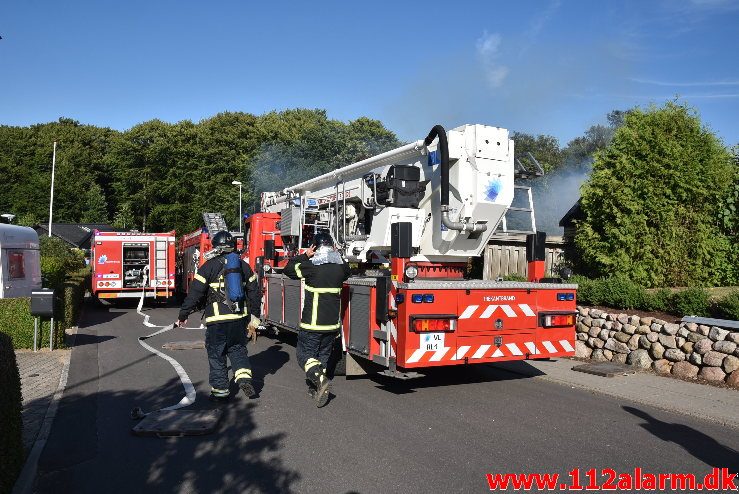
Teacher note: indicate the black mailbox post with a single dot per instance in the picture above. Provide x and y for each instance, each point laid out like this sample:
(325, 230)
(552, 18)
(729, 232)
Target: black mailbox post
(43, 303)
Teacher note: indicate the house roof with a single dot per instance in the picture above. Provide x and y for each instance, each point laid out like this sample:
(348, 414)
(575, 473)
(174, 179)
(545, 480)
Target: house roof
(574, 213)
(76, 234)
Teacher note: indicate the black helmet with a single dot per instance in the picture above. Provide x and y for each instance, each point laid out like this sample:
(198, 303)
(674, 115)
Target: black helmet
(224, 241)
(323, 239)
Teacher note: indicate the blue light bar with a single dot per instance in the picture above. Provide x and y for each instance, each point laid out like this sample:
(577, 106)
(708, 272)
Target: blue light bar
(561, 297)
(570, 296)
(428, 298)
(417, 298)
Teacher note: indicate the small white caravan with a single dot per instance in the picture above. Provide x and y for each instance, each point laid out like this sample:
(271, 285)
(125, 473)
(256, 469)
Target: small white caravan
(20, 261)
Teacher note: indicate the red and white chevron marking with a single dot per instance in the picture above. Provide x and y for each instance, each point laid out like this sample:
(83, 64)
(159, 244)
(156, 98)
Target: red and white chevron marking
(487, 311)
(490, 351)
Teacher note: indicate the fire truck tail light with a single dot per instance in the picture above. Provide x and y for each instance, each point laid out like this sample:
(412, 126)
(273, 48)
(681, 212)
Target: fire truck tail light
(421, 324)
(417, 298)
(552, 320)
(428, 298)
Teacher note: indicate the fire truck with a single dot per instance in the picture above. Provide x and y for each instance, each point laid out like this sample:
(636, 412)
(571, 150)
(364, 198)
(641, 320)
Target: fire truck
(408, 221)
(195, 248)
(125, 264)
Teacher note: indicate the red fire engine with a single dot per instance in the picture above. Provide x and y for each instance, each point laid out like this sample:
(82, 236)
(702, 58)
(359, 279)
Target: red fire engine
(125, 264)
(408, 221)
(193, 249)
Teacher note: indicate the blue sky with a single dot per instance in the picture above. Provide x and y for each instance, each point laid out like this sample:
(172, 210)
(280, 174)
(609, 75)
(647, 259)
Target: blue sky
(552, 67)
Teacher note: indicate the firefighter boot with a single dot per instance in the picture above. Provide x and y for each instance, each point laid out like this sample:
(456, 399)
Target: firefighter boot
(219, 395)
(243, 380)
(315, 373)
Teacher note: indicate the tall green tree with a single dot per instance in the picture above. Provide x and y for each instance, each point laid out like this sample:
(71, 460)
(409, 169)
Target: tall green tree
(544, 148)
(651, 203)
(124, 217)
(96, 209)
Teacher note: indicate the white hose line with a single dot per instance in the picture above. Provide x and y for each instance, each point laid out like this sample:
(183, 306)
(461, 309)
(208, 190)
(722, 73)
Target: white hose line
(190, 394)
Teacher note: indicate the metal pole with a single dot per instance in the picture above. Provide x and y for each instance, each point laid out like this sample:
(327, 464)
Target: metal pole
(241, 215)
(51, 199)
(51, 335)
(35, 333)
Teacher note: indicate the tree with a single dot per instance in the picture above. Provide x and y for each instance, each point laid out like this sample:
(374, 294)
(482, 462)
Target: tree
(651, 203)
(96, 208)
(544, 148)
(124, 217)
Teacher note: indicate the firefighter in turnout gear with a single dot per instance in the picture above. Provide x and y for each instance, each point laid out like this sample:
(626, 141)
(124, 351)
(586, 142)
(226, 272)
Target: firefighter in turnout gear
(324, 272)
(225, 319)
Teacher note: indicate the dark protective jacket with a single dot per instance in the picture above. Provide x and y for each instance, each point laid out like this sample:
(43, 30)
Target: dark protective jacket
(323, 283)
(209, 281)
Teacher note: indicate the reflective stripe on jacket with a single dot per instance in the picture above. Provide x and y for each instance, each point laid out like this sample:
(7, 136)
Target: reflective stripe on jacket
(323, 283)
(208, 281)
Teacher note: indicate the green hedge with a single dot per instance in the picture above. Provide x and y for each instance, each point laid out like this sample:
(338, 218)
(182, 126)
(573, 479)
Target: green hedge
(728, 307)
(621, 293)
(17, 322)
(11, 421)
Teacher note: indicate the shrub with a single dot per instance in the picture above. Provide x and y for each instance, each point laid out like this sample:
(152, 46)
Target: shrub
(652, 201)
(588, 291)
(728, 307)
(16, 320)
(690, 302)
(659, 300)
(57, 260)
(618, 292)
(11, 421)
(622, 293)
(514, 277)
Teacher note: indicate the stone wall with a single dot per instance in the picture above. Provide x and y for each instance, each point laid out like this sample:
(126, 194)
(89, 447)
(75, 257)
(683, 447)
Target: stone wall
(685, 350)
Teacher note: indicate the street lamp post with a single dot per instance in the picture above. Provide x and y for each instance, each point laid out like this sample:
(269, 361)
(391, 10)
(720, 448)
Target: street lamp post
(51, 199)
(236, 182)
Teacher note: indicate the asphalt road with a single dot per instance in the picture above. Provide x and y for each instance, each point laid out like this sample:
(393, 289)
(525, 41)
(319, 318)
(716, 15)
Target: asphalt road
(440, 433)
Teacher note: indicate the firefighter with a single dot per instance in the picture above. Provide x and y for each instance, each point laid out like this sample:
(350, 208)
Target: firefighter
(324, 272)
(226, 328)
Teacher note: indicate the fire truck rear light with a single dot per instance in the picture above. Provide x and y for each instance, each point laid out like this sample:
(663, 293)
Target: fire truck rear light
(551, 320)
(565, 296)
(428, 298)
(399, 298)
(570, 296)
(421, 324)
(417, 298)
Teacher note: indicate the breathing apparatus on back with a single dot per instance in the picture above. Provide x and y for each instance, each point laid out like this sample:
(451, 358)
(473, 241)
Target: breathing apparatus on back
(232, 292)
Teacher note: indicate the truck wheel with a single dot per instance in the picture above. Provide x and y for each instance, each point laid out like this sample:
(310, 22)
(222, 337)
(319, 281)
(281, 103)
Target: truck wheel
(340, 369)
(337, 362)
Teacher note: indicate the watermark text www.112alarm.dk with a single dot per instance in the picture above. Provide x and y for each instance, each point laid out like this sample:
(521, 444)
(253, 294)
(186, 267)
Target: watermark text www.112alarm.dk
(608, 479)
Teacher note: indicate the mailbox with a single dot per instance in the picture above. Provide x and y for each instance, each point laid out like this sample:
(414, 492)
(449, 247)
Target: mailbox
(43, 303)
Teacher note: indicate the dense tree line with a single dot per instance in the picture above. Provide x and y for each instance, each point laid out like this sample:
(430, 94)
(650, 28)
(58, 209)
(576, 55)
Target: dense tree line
(160, 176)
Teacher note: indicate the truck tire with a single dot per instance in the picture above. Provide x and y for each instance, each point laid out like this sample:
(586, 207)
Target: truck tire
(337, 362)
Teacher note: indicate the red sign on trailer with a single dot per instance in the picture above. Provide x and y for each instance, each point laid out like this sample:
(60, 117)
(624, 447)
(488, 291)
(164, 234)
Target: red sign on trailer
(125, 264)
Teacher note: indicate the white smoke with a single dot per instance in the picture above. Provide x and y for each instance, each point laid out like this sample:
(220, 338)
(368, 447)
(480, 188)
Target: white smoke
(488, 51)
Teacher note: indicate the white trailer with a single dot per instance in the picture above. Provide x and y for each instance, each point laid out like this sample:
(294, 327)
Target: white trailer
(20, 261)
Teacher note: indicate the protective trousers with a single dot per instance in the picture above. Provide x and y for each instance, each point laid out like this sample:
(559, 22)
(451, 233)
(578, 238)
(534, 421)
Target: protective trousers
(313, 351)
(222, 339)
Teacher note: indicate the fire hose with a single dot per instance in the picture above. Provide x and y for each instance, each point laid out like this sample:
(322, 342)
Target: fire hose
(189, 398)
